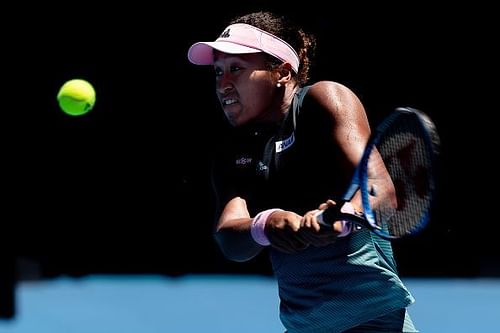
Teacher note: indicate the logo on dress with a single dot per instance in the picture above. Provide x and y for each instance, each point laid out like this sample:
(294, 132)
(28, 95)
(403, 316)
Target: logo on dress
(285, 144)
(243, 161)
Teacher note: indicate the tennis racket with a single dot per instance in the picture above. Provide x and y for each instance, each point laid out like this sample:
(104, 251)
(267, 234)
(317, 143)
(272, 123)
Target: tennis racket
(395, 177)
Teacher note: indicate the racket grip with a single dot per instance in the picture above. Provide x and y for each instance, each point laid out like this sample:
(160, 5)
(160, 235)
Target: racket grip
(346, 225)
(330, 215)
(346, 228)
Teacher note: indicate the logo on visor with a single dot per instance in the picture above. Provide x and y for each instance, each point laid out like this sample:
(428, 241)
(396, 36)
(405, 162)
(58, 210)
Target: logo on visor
(225, 34)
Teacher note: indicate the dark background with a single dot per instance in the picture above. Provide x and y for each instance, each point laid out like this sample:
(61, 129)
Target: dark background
(126, 189)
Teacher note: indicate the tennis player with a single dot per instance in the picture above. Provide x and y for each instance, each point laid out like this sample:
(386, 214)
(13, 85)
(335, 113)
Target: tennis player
(292, 149)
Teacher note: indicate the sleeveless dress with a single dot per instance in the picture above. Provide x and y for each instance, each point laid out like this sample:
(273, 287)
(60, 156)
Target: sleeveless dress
(322, 289)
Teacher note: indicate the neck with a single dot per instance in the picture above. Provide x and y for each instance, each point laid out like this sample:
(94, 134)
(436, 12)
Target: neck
(283, 101)
(288, 94)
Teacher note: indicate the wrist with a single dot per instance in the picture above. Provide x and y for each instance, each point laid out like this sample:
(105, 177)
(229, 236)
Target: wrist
(257, 229)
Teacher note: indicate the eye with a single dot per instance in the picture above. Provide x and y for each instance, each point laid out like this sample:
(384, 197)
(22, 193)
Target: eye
(234, 69)
(218, 71)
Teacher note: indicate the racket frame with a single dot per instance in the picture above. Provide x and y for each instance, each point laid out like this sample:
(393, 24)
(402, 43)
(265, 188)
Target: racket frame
(359, 180)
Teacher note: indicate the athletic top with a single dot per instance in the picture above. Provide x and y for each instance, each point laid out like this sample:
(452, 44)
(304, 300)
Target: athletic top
(322, 289)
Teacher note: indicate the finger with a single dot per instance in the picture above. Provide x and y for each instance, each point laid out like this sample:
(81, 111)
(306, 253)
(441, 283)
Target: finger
(330, 203)
(315, 225)
(305, 222)
(323, 206)
(327, 204)
(312, 220)
(309, 218)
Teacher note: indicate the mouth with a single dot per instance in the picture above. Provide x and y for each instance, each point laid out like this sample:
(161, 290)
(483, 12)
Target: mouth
(228, 101)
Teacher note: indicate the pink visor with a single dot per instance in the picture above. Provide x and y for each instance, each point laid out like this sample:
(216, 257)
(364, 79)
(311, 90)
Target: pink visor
(243, 38)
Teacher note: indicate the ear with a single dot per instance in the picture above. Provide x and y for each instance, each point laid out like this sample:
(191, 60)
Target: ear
(285, 73)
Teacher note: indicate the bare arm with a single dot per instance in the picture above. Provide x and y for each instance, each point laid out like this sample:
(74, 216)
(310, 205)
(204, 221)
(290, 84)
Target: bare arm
(233, 231)
(350, 127)
(234, 237)
(351, 132)
(288, 231)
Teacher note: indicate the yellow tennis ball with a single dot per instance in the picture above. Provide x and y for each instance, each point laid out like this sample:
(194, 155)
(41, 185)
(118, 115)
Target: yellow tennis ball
(76, 97)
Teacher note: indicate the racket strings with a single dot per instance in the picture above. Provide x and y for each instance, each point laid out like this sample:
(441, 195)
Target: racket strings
(405, 154)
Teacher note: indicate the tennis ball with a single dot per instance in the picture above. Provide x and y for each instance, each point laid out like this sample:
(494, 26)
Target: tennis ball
(76, 97)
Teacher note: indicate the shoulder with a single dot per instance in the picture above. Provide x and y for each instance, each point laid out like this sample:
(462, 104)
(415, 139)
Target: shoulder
(334, 97)
(329, 86)
(325, 92)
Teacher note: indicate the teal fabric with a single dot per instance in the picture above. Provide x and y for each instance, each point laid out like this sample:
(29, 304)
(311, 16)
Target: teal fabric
(337, 287)
(321, 289)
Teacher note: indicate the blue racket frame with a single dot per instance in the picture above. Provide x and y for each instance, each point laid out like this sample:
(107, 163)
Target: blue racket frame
(359, 180)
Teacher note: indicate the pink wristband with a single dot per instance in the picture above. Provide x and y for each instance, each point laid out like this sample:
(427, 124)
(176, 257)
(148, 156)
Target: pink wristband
(258, 226)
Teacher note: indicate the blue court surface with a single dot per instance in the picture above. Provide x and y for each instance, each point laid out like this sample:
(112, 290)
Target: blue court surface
(220, 303)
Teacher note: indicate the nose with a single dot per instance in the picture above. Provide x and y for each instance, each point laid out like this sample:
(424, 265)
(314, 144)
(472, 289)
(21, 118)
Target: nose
(224, 85)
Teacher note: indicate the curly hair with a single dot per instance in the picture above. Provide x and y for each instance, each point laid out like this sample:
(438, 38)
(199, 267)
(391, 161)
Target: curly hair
(303, 43)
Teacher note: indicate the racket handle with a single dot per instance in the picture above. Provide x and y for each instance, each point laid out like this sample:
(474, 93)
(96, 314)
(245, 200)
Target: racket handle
(346, 228)
(328, 216)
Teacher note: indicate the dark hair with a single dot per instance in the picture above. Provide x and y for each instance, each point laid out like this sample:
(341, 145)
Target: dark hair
(303, 43)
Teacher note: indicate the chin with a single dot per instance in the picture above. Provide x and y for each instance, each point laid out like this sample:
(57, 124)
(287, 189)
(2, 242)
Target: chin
(234, 121)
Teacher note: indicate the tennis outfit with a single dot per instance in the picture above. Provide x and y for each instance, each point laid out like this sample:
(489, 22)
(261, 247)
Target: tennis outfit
(327, 289)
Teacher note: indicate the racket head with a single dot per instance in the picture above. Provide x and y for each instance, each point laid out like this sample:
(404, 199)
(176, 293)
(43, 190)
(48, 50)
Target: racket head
(405, 144)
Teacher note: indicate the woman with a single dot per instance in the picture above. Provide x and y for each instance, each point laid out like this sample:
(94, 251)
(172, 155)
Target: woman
(293, 148)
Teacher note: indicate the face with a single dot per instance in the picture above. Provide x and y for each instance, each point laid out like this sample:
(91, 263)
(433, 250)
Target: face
(244, 87)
